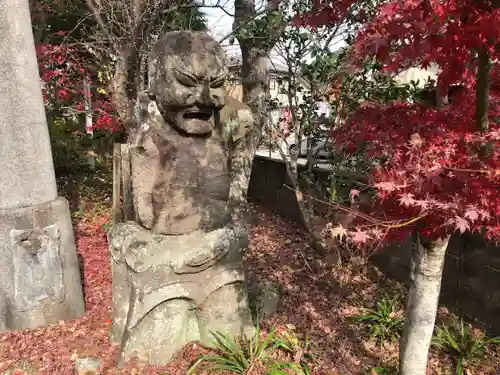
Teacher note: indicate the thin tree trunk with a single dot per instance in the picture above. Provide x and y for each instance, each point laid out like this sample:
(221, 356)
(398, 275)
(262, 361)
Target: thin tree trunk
(426, 272)
(482, 89)
(38, 15)
(125, 87)
(89, 128)
(254, 70)
(439, 98)
(126, 175)
(306, 212)
(116, 210)
(119, 84)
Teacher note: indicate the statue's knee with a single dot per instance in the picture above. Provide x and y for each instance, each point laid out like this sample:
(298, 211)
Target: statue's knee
(226, 305)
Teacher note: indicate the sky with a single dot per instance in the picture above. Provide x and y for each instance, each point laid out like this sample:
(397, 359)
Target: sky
(220, 25)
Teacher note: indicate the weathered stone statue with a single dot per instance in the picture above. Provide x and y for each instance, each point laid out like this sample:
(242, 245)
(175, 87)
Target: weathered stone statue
(177, 271)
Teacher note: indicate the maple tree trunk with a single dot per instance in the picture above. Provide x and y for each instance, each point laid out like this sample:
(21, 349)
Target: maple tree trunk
(482, 89)
(426, 271)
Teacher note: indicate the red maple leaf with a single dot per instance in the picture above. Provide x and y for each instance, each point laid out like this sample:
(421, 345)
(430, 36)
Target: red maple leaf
(472, 214)
(406, 199)
(461, 224)
(359, 236)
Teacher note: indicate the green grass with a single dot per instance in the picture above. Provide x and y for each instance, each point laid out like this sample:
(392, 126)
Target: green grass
(466, 346)
(383, 321)
(240, 355)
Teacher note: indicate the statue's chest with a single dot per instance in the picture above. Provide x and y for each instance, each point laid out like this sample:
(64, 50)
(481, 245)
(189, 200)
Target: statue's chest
(201, 164)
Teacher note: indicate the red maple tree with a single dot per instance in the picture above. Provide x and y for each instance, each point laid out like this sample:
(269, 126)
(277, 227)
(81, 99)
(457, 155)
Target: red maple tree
(64, 66)
(62, 76)
(433, 171)
(436, 169)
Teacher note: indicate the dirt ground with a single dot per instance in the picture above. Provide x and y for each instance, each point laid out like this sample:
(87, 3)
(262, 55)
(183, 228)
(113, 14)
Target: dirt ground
(317, 297)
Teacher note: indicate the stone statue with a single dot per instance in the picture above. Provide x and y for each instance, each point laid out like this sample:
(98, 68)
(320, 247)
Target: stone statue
(177, 270)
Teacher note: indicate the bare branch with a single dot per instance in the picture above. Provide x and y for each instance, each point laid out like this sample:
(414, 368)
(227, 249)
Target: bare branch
(242, 25)
(98, 18)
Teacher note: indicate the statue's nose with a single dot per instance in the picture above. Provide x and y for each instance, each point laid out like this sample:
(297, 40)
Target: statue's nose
(205, 97)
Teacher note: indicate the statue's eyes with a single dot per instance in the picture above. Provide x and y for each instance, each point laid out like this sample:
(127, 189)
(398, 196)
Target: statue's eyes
(186, 80)
(217, 83)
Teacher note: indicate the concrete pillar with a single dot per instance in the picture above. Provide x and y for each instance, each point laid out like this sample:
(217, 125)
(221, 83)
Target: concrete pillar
(39, 274)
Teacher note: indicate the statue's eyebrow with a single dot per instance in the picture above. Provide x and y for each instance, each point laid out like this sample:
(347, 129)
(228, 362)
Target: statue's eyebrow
(185, 72)
(218, 78)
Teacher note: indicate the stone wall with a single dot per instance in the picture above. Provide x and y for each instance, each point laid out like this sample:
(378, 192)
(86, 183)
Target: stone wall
(471, 281)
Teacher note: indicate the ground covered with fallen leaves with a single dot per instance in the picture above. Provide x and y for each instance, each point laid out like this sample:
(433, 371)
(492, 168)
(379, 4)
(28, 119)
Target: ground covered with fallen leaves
(317, 296)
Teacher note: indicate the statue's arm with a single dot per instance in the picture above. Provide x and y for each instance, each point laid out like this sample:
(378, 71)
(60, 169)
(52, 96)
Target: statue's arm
(145, 161)
(239, 146)
(142, 250)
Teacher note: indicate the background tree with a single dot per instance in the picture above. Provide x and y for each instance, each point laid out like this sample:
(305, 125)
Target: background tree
(294, 47)
(315, 66)
(257, 29)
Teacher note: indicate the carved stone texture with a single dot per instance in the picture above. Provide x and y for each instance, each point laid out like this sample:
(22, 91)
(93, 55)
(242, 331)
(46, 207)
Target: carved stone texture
(37, 267)
(180, 170)
(177, 272)
(170, 290)
(40, 280)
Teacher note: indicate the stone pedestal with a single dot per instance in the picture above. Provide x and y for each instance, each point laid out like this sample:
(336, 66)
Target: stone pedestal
(39, 273)
(170, 290)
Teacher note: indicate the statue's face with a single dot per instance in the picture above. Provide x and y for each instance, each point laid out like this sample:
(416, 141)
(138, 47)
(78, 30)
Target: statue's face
(187, 80)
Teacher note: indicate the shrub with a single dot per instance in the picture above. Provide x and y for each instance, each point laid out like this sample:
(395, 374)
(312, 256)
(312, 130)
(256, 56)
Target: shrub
(384, 321)
(240, 356)
(71, 146)
(466, 346)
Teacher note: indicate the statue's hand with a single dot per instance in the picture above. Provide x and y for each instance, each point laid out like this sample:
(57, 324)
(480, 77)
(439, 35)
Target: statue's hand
(141, 249)
(243, 124)
(206, 249)
(129, 242)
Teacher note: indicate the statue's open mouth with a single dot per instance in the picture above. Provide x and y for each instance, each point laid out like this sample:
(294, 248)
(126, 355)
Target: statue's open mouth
(198, 121)
(198, 115)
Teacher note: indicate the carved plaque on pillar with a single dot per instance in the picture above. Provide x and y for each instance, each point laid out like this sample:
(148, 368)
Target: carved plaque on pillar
(38, 273)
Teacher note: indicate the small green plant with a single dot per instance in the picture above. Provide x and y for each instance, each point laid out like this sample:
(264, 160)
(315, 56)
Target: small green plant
(106, 227)
(78, 214)
(300, 349)
(466, 346)
(384, 321)
(241, 355)
(381, 371)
